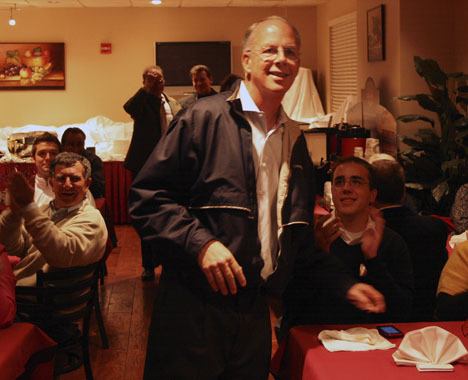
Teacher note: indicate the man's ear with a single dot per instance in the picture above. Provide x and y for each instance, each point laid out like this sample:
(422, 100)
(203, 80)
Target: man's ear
(246, 62)
(88, 182)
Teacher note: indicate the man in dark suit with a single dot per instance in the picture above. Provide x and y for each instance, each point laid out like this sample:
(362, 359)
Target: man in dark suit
(151, 111)
(425, 236)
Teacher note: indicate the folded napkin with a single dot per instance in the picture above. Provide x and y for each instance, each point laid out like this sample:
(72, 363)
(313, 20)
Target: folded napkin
(430, 348)
(457, 239)
(354, 339)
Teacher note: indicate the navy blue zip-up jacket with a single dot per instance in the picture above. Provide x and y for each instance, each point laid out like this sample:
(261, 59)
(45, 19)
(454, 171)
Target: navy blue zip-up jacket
(198, 185)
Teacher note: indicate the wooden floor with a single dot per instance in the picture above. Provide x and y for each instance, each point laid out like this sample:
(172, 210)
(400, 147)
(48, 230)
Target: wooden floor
(126, 303)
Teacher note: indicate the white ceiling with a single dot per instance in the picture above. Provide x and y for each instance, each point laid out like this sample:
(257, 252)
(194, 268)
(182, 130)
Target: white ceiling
(24, 4)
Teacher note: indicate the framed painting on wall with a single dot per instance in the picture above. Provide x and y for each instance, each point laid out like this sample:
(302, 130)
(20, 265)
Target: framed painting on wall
(375, 34)
(32, 66)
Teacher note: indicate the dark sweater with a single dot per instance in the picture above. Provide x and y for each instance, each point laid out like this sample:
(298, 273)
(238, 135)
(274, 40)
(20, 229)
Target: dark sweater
(426, 239)
(390, 273)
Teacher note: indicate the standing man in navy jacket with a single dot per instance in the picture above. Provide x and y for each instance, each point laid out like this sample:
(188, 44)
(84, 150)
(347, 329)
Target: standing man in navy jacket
(229, 194)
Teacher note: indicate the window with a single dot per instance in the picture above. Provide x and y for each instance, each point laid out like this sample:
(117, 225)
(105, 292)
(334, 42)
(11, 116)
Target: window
(343, 59)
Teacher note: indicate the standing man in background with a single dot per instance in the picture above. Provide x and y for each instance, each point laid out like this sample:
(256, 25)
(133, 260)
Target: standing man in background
(228, 194)
(201, 82)
(151, 111)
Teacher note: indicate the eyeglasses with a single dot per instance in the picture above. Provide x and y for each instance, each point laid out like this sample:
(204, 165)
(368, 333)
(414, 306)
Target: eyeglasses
(354, 182)
(270, 53)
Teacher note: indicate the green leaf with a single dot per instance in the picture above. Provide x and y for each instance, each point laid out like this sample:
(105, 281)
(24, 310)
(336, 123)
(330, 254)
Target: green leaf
(457, 75)
(412, 117)
(431, 72)
(425, 101)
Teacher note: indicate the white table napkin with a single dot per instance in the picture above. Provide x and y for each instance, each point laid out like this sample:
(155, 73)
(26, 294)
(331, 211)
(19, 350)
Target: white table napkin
(429, 348)
(354, 339)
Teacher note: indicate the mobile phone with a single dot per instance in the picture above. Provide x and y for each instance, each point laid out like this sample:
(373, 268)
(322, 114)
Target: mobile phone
(389, 331)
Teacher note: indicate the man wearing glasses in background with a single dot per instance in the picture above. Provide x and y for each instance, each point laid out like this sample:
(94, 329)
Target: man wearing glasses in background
(356, 234)
(228, 193)
(151, 111)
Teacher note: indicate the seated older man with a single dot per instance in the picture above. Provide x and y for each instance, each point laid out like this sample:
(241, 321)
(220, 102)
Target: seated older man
(67, 232)
(425, 236)
(356, 234)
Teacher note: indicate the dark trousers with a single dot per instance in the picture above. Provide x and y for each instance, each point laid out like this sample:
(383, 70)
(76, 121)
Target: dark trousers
(198, 334)
(148, 261)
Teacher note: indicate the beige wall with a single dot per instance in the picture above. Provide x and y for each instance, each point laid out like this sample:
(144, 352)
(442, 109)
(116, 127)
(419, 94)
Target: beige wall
(385, 73)
(100, 84)
(428, 28)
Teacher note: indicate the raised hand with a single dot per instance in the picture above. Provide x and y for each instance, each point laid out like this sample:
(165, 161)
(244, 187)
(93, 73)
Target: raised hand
(371, 238)
(221, 268)
(326, 231)
(21, 192)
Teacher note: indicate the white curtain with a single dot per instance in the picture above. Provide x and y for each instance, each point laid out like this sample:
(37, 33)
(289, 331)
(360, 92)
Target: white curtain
(302, 101)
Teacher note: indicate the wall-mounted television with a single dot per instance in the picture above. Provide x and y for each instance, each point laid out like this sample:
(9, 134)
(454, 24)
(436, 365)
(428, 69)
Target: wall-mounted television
(177, 58)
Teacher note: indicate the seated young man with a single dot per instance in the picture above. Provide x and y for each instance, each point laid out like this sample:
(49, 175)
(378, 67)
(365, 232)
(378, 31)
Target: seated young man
(356, 234)
(425, 236)
(452, 293)
(45, 148)
(67, 232)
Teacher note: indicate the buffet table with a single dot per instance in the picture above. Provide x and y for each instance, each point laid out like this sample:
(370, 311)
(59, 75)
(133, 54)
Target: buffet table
(26, 351)
(302, 356)
(118, 181)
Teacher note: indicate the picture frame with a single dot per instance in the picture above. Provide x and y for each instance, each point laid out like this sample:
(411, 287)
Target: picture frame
(376, 34)
(32, 66)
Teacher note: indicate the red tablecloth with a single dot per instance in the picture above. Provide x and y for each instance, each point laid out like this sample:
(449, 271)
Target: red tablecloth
(302, 356)
(118, 181)
(24, 347)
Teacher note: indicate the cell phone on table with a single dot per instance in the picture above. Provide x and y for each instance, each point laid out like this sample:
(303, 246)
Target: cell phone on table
(389, 331)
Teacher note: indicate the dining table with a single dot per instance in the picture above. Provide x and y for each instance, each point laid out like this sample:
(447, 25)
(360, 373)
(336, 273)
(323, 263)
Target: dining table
(26, 352)
(301, 356)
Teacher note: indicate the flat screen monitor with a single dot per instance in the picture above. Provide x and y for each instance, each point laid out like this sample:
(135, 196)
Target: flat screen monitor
(177, 58)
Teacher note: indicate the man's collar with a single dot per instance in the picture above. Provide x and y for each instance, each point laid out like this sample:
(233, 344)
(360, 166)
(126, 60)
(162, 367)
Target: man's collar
(248, 104)
(68, 209)
(353, 238)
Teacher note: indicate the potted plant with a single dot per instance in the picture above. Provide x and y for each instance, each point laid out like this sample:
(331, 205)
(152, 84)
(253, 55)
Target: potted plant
(437, 164)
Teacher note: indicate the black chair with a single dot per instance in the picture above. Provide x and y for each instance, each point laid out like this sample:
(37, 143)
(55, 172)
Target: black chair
(59, 299)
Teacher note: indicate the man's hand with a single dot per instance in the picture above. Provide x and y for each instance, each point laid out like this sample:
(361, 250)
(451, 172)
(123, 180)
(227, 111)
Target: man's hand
(153, 83)
(21, 192)
(327, 233)
(221, 268)
(366, 297)
(371, 238)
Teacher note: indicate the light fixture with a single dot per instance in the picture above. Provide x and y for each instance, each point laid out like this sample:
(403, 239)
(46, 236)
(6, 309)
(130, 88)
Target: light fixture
(12, 21)
(156, 2)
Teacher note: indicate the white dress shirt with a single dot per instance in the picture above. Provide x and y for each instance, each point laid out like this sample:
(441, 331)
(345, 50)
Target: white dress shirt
(267, 155)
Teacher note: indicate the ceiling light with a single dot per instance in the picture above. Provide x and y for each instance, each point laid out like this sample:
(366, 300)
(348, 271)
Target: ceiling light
(12, 21)
(156, 2)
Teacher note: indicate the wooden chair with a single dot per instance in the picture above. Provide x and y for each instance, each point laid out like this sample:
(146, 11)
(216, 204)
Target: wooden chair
(60, 298)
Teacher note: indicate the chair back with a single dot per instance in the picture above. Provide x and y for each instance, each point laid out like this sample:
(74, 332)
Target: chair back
(62, 295)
